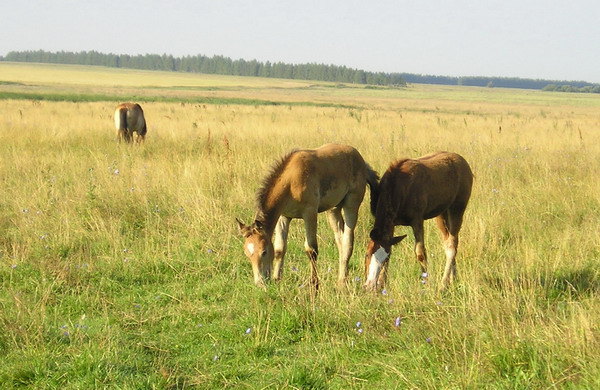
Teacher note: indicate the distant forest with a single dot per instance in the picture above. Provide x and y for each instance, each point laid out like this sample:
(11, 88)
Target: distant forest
(321, 72)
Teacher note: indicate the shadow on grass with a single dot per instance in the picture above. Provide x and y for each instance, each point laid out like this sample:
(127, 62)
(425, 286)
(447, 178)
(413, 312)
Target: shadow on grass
(559, 285)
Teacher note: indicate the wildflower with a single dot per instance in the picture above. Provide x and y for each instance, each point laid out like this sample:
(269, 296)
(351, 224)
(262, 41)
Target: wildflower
(424, 275)
(495, 191)
(439, 303)
(215, 358)
(116, 171)
(428, 339)
(248, 331)
(294, 268)
(357, 279)
(360, 330)
(13, 266)
(358, 324)
(397, 321)
(384, 292)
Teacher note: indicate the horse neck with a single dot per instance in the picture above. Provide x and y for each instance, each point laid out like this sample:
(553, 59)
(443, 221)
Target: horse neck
(269, 212)
(390, 200)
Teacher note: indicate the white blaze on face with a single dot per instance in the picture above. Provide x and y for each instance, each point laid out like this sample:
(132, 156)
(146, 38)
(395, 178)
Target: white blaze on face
(377, 260)
(250, 248)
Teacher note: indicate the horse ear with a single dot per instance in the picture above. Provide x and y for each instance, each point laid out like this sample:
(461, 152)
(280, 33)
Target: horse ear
(397, 239)
(243, 228)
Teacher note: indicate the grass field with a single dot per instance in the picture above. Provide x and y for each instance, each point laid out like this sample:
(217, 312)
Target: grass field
(121, 266)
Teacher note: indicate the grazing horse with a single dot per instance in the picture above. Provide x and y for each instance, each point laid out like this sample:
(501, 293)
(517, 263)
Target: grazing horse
(129, 118)
(304, 183)
(411, 191)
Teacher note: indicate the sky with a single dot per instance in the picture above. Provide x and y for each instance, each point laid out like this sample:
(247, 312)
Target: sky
(545, 39)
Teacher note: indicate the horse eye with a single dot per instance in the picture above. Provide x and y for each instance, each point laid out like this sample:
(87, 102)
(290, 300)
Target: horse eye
(264, 253)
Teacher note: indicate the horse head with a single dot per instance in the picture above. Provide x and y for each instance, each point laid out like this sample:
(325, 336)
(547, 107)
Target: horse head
(377, 256)
(258, 247)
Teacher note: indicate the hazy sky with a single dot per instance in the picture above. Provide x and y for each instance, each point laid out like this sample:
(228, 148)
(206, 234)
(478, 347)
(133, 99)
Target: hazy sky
(550, 39)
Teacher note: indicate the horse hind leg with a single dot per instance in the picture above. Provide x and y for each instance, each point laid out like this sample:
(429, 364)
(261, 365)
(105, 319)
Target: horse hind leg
(337, 223)
(449, 224)
(421, 253)
(311, 246)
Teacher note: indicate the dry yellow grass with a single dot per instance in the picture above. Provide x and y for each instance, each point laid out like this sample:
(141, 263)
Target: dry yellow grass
(90, 227)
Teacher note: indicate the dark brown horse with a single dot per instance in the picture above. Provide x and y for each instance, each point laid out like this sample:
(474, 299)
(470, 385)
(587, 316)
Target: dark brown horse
(304, 183)
(129, 119)
(411, 191)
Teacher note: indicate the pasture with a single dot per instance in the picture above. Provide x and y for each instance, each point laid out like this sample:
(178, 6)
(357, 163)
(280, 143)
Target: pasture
(121, 265)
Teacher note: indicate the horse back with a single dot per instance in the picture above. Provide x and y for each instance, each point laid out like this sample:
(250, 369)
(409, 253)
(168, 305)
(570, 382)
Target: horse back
(326, 175)
(426, 186)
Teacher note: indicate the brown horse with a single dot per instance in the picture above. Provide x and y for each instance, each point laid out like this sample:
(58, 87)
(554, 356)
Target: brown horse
(303, 184)
(411, 191)
(129, 118)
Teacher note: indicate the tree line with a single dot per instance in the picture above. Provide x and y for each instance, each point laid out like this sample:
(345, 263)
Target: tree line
(505, 82)
(212, 65)
(310, 71)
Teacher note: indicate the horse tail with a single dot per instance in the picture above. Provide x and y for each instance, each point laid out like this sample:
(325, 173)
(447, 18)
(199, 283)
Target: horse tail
(373, 182)
(123, 114)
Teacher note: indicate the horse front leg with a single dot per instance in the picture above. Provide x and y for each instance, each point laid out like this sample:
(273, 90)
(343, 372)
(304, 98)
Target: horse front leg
(311, 246)
(280, 246)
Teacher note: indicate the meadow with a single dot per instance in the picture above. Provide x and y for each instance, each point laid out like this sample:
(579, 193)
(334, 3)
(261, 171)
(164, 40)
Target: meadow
(122, 266)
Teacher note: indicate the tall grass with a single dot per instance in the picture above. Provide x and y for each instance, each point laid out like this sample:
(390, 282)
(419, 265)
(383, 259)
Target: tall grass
(122, 267)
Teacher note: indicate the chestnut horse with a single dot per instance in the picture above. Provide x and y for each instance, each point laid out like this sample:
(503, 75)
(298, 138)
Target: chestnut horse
(411, 191)
(304, 183)
(129, 118)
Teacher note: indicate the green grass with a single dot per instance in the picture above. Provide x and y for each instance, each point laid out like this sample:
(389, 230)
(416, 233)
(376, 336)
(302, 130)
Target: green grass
(121, 267)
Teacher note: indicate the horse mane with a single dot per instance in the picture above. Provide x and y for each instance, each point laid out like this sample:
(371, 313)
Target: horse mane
(269, 181)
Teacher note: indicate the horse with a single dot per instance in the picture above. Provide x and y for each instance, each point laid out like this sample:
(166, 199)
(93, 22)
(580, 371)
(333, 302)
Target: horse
(303, 183)
(129, 118)
(438, 186)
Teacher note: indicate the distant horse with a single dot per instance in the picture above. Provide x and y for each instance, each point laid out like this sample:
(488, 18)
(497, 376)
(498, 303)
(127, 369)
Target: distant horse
(411, 191)
(301, 185)
(129, 118)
